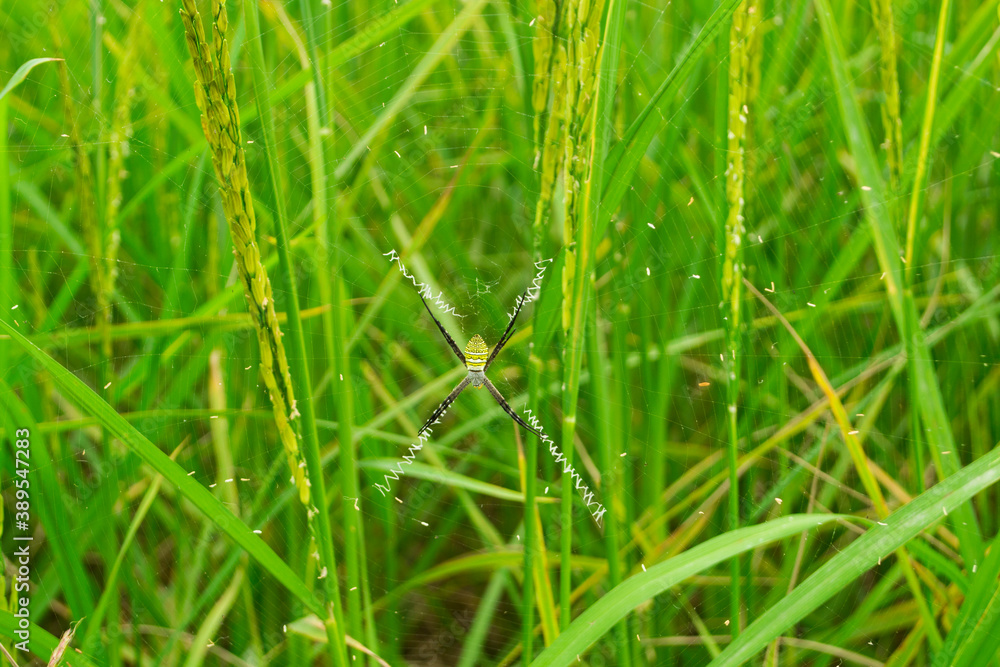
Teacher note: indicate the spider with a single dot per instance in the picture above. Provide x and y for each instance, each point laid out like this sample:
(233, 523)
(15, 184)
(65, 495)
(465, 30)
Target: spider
(476, 360)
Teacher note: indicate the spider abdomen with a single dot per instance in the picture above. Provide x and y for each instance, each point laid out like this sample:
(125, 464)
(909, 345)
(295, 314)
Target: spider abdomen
(476, 353)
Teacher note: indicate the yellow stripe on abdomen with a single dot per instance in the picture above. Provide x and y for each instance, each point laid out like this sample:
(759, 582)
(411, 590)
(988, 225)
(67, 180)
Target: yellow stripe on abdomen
(476, 353)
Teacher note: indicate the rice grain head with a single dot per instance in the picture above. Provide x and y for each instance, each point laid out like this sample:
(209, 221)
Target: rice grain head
(215, 92)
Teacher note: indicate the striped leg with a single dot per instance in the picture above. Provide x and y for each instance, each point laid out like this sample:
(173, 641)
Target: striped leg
(506, 408)
(451, 342)
(445, 405)
(506, 334)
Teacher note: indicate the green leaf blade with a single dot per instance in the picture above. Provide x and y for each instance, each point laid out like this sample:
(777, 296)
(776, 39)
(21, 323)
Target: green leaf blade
(600, 617)
(861, 555)
(22, 73)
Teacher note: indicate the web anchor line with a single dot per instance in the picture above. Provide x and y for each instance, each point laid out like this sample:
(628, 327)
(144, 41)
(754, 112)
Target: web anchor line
(396, 472)
(533, 292)
(422, 288)
(585, 492)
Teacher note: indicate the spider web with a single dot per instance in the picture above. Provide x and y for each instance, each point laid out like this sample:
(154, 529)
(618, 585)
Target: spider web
(463, 141)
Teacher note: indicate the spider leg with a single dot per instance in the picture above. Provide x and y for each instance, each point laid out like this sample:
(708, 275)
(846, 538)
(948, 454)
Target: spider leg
(506, 408)
(451, 341)
(445, 404)
(503, 341)
(506, 334)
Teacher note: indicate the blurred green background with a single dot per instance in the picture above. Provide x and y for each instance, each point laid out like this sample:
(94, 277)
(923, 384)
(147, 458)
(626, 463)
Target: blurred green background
(801, 483)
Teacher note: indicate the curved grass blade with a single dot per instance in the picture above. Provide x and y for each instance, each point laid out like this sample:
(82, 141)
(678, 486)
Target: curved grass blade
(874, 197)
(320, 524)
(22, 73)
(600, 617)
(92, 404)
(975, 634)
(862, 554)
(8, 283)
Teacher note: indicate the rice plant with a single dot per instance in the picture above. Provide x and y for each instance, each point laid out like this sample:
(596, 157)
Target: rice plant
(755, 370)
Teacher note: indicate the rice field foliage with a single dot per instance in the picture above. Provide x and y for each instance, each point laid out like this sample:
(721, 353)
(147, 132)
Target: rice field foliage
(759, 249)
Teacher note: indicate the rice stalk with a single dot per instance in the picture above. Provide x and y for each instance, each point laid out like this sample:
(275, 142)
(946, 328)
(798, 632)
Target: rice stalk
(893, 127)
(861, 465)
(589, 91)
(319, 520)
(328, 231)
(542, 49)
(87, 217)
(577, 241)
(911, 325)
(566, 54)
(548, 103)
(89, 189)
(740, 41)
(612, 474)
(888, 74)
(926, 129)
(118, 138)
(215, 93)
